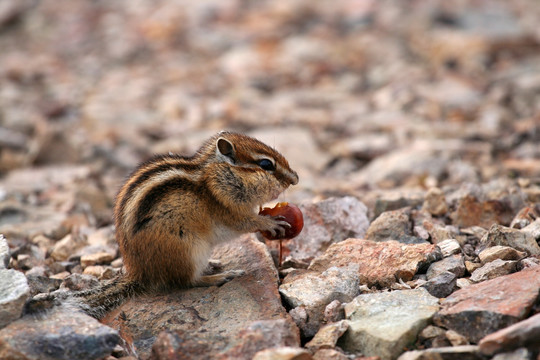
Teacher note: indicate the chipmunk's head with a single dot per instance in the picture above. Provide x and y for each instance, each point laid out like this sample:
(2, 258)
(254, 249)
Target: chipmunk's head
(248, 171)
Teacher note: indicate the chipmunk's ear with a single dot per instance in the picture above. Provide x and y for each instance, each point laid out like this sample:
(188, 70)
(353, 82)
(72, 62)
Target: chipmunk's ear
(225, 150)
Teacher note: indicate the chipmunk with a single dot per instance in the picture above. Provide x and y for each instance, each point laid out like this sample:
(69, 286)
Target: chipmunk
(173, 210)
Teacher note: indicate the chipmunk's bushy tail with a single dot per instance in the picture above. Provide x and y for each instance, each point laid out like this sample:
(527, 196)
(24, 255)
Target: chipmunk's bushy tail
(95, 302)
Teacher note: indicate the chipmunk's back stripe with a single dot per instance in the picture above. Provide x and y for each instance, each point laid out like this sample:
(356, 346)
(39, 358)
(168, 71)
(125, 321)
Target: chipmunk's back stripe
(156, 165)
(156, 193)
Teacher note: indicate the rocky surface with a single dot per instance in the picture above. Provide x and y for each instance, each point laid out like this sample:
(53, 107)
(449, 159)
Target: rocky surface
(414, 128)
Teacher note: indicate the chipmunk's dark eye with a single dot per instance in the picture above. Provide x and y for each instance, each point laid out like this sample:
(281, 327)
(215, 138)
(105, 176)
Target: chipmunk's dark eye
(266, 164)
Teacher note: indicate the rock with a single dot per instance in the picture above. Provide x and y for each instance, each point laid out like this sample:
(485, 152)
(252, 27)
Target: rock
(435, 202)
(449, 247)
(472, 212)
(519, 354)
(453, 264)
(64, 248)
(283, 353)
(524, 217)
(96, 259)
(331, 354)
(463, 283)
(381, 263)
(235, 320)
(456, 339)
(533, 229)
(383, 324)
(62, 334)
(257, 336)
(326, 222)
(42, 284)
(4, 252)
(327, 336)
(441, 285)
(433, 336)
(483, 308)
(77, 282)
(493, 269)
(528, 262)
(314, 291)
(333, 312)
(14, 291)
(439, 232)
(472, 266)
(463, 352)
(391, 225)
(517, 239)
(521, 334)
(500, 252)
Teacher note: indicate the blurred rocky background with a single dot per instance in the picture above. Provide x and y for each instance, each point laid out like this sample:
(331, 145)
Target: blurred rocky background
(414, 127)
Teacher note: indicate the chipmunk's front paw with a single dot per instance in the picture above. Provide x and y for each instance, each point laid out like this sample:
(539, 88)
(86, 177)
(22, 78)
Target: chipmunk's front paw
(275, 226)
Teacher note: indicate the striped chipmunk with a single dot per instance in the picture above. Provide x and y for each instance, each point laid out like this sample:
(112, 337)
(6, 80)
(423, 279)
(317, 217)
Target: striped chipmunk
(173, 210)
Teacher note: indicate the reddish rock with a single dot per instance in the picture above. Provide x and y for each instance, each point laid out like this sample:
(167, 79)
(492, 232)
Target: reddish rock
(236, 319)
(480, 309)
(380, 263)
(471, 212)
(524, 333)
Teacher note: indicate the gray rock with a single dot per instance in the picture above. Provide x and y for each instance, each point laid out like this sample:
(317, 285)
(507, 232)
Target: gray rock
(314, 291)
(518, 239)
(382, 324)
(42, 284)
(14, 291)
(326, 222)
(464, 352)
(4, 252)
(453, 264)
(62, 335)
(441, 285)
(449, 247)
(493, 269)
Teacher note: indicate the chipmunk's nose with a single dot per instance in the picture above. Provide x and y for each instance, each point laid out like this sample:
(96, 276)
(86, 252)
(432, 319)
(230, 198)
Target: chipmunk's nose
(293, 178)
